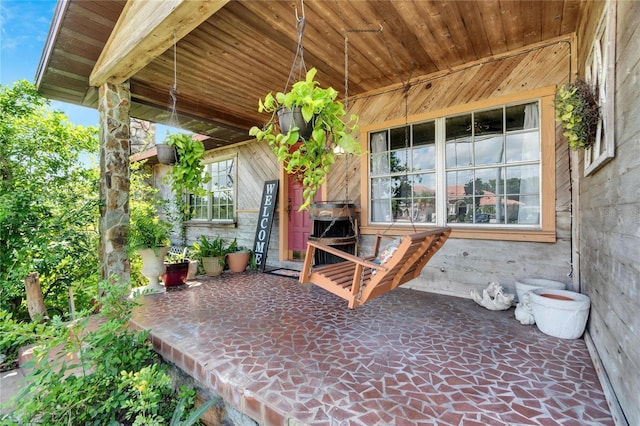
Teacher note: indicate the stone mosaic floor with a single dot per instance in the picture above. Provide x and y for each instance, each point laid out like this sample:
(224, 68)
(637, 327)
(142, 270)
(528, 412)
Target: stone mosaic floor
(285, 355)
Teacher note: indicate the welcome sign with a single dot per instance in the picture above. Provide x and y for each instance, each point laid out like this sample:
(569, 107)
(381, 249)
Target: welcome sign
(265, 220)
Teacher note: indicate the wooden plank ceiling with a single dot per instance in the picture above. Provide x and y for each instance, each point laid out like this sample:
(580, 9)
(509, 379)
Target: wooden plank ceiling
(246, 49)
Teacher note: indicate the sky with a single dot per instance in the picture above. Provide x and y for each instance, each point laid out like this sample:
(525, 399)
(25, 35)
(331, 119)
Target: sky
(24, 26)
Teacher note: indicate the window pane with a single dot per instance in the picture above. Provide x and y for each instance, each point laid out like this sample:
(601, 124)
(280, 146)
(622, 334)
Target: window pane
(523, 179)
(458, 139)
(424, 143)
(523, 195)
(489, 181)
(424, 133)
(521, 117)
(380, 163)
(401, 186)
(198, 207)
(400, 138)
(424, 158)
(459, 196)
(380, 188)
(523, 147)
(381, 211)
(424, 198)
(399, 161)
(488, 149)
(379, 142)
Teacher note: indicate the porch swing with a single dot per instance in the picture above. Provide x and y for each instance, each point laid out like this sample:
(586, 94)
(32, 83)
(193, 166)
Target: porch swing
(358, 280)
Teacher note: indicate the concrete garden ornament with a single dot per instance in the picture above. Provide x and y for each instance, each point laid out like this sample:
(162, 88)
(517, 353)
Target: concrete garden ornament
(524, 311)
(493, 298)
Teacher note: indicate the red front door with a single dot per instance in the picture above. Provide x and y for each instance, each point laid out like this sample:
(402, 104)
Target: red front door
(299, 223)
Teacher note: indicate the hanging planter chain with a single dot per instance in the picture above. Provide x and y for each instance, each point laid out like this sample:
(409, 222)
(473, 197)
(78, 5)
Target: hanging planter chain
(299, 57)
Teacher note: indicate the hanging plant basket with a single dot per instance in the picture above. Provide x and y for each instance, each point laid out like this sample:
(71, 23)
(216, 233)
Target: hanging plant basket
(166, 154)
(293, 118)
(308, 158)
(577, 109)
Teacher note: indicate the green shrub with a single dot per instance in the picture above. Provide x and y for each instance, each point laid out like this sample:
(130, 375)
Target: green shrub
(114, 376)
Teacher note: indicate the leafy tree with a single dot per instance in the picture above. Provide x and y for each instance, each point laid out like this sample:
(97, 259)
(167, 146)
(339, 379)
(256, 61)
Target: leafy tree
(48, 201)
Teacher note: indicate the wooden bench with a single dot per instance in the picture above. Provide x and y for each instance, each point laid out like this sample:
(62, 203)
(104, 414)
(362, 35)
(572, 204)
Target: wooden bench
(354, 279)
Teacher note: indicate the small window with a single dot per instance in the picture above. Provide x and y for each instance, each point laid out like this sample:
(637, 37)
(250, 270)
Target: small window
(219, 203)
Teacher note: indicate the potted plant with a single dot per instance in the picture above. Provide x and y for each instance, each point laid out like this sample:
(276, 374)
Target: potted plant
(577, 109)
(237, 257)
(176, 269)
(166, 153)
(149, 237)
(212, 253)
(307, 155)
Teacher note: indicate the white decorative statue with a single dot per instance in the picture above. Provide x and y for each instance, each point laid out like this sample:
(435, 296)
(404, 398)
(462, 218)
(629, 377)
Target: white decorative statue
(524, 311)
(493, 298)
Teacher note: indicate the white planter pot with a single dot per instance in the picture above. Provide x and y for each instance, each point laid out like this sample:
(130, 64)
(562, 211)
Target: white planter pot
(560, 313)
(153, 266)
(528, 284)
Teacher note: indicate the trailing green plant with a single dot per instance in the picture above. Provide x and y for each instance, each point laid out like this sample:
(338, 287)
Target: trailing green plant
(99, 375)
(187, 176)
(577, 109)
(308, 159)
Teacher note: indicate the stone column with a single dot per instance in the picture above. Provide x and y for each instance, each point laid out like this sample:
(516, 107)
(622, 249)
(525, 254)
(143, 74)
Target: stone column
(113, 108)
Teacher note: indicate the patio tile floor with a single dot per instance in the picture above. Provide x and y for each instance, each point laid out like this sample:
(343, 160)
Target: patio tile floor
(283, 354)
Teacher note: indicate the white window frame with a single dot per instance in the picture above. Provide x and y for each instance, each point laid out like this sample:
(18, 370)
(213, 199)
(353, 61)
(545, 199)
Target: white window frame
(210, 192)
(600, 73)
(441, 170)
(547, 231)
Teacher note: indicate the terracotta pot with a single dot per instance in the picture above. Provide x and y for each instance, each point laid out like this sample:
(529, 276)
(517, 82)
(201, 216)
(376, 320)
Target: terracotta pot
(213, 266)
(238, 261)
(175, 274)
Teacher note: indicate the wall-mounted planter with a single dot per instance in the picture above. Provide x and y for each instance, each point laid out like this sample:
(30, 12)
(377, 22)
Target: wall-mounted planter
(560, 313)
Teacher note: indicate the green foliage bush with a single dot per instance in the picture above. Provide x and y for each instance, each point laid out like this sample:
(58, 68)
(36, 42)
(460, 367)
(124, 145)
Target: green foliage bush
(114, 377)
(49, 202)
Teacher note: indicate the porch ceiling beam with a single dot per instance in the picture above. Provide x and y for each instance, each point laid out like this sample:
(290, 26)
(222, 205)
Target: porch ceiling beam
(144, 31)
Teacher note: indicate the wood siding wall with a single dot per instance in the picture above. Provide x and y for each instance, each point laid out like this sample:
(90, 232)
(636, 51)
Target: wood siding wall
(465, 264)
(609, 223)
